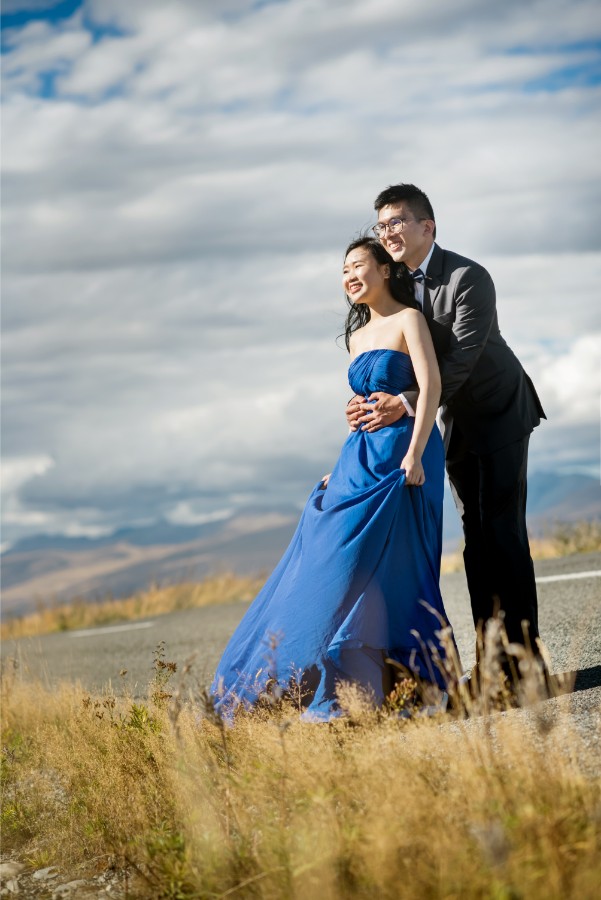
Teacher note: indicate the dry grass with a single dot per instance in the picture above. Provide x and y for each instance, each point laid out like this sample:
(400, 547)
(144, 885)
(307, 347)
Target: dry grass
(564, 538)
(223, 588)
(368, 806)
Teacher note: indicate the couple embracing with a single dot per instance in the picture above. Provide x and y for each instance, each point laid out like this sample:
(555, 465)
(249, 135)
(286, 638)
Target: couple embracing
(359, 582)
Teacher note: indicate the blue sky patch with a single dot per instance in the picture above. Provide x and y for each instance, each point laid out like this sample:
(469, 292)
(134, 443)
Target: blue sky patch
(584, 75)
(54, 15)
(585, 72)
(54, 12)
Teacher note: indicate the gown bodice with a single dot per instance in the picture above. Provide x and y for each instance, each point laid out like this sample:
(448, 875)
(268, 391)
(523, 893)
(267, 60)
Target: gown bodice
(390, 371)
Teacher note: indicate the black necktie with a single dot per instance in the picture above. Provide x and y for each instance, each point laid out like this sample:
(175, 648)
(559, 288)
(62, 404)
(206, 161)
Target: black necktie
(418, 277)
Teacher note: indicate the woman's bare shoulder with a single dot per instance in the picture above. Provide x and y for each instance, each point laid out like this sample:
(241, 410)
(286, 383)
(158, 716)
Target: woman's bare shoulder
(408, 313)
(411, 319)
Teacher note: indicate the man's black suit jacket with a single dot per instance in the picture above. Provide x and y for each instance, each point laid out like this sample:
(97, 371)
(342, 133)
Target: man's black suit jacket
(485, 390)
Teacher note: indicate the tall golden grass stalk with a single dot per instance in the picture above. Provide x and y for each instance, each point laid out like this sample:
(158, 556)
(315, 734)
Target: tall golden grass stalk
(371, 805)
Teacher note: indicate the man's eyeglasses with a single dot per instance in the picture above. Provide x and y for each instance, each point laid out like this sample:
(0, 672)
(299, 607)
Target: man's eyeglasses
(393, 226)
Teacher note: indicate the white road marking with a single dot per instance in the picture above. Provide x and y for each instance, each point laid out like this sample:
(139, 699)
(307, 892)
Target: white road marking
(110, 629)
(546, 578)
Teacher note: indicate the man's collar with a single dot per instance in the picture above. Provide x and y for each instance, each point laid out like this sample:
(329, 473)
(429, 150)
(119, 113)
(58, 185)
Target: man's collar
(424, 265)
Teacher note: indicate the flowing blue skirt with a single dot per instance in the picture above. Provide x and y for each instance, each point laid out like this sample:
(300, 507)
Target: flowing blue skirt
(359, 582)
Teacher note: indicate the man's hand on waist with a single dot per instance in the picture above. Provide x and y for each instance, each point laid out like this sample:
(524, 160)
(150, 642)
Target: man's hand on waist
(375, 412)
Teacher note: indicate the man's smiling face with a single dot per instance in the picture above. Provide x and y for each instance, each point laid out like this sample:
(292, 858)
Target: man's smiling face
(406, 238)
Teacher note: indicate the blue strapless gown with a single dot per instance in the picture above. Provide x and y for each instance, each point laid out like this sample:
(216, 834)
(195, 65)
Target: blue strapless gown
(346, 594)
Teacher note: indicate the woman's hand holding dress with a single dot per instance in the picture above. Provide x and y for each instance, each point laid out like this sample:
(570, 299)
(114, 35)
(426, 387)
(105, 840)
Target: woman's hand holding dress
(414, 470)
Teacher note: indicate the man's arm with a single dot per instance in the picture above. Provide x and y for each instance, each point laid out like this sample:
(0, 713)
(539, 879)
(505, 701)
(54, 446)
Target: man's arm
(409, 399)
(475, 315)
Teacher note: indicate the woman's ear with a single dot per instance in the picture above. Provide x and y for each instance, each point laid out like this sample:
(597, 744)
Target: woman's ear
(386, 270)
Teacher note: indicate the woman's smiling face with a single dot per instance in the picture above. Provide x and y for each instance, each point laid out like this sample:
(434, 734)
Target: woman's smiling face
(363, 278)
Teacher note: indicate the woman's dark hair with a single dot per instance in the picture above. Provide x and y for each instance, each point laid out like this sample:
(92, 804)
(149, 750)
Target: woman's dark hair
(402, 286)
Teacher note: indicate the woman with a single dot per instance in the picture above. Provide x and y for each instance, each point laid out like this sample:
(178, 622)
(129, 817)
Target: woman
(346, 594)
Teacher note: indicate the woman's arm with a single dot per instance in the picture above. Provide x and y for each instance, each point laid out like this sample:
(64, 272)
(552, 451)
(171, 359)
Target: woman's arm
(425, 366)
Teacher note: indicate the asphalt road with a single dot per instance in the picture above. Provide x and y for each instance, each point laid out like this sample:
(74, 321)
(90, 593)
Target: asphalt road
(570, 624)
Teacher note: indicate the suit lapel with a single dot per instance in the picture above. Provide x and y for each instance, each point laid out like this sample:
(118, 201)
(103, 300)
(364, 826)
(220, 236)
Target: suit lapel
(433, 280)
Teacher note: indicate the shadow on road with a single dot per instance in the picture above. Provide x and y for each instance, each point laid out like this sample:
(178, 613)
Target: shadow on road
(579, 680)
(585, 679)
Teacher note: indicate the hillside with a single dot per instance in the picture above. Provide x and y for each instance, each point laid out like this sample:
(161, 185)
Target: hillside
(44, 567)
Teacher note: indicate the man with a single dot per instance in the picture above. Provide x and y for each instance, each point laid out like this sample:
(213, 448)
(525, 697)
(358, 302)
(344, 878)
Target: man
(488, 409)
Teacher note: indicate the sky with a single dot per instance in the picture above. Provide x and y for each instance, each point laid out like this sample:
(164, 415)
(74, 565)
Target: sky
(179, 182)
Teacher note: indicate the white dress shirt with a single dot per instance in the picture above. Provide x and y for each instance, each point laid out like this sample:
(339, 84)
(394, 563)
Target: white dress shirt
(419, 296)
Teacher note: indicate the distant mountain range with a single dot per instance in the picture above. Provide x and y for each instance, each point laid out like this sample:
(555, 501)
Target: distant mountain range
(44, 567)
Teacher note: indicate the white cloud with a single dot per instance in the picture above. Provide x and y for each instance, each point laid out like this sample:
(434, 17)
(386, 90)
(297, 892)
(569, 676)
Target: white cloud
(184, 514)
(17, 471)
(174, 220)
(571, 380)
(40, 48)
